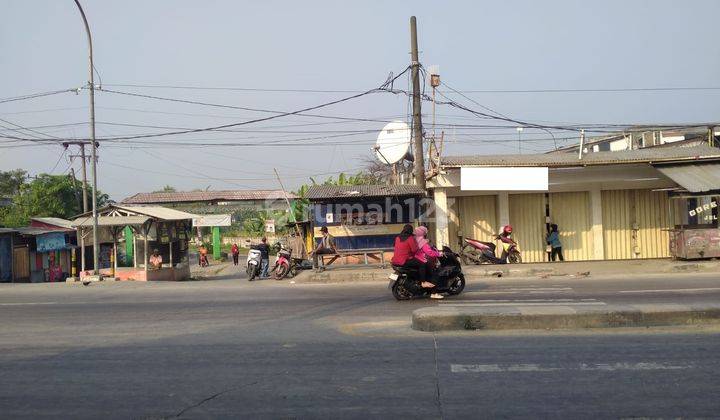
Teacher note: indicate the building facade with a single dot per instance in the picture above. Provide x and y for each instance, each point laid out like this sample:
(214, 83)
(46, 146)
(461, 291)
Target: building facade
(608, 205)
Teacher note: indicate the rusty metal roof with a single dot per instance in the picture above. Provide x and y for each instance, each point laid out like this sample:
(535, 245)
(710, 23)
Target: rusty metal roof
(110, 221)
(320, 192)
(201, 196)
(699, 177)
(648, 155)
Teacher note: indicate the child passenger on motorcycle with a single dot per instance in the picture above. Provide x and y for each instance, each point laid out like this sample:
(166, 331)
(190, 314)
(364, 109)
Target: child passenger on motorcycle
(404, 254)
(426, 254)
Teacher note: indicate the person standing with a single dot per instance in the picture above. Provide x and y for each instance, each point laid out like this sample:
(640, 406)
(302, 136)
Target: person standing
(326, 246)
(264, 257)
(235, 253)
(553, 240)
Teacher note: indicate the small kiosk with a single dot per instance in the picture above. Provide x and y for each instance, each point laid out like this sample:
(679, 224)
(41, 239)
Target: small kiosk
(150, 228)
(363, 219)
(695, 233)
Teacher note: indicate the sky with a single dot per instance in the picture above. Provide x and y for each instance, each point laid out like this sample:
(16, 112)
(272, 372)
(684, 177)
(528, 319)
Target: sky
(320, 51)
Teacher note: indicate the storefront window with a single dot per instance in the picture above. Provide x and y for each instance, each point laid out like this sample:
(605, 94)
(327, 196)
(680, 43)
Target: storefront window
(696, 211)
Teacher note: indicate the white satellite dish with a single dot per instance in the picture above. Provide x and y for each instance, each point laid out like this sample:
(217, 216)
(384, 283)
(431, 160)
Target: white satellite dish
(393, 142)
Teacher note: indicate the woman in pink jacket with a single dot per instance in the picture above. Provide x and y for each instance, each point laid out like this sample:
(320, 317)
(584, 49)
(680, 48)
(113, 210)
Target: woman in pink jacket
(426, 255)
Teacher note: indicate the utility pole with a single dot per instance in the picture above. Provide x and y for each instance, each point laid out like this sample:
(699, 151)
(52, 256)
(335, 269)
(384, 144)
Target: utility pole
(93, 164)
(84, 203)
(417, 116)
(84, 178)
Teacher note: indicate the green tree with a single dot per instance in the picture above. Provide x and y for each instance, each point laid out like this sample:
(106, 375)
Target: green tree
(45, 196)
(10, 182)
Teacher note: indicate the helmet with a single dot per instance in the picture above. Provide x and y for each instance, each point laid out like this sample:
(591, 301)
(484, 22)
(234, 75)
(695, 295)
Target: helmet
(507, 229)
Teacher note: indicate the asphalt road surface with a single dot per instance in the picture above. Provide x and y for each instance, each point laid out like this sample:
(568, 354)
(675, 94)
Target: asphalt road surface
(267, 349)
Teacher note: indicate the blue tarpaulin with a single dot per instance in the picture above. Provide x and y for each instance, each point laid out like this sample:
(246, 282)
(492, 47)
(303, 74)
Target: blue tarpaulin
(52, 241)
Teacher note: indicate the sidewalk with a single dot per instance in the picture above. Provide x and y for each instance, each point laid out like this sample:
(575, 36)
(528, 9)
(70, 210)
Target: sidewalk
(456, 318)
(342, 274)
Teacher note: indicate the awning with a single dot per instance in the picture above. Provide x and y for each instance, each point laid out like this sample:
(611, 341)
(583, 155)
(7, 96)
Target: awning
(110, 221)
(700, 177)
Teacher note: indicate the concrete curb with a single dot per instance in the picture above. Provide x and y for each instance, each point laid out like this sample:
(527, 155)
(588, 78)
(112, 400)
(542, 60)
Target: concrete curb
(449, 318)
(542, 270)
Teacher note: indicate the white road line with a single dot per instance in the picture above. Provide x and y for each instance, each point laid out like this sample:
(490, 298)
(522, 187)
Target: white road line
(538, 289)
(703, 289)
(526, 304)
(443, 302)
(28, 303)
(533, 367)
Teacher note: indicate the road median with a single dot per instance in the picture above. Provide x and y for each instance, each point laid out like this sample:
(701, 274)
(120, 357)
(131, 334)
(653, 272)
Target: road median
(457, 318)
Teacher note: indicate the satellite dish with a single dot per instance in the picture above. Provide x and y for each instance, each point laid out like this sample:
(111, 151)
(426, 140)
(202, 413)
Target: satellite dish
(393, 142)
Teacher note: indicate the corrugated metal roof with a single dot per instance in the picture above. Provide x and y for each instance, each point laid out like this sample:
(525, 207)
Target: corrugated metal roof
(157, 212)
(194, 196)
(55, 221)
(317, 192)
(699, 177)
(33, 231)
(649, 155)
(110, 221)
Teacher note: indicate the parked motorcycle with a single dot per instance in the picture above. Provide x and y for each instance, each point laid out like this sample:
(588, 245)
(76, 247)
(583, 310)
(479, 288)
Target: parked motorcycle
(285, 265)
(450, 278)
(254, 262)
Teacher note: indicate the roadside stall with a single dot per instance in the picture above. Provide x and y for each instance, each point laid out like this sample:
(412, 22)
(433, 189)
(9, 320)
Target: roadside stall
(695, 233)
(363, 219)
(152, 228)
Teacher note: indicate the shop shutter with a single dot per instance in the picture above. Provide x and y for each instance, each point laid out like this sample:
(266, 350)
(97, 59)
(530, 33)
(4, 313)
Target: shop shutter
(625, 210)
(653, 222)
(477, 217)
(571, 212)
(617, 224)
(527, 217)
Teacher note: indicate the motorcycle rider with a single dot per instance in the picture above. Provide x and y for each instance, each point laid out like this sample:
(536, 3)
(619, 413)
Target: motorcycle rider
(426, 254)
(506, 238)
(404, 253)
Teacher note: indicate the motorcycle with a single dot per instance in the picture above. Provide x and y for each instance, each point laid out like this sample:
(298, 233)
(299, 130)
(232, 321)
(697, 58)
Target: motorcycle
(254, 262)
(286, 266)
(450, 278)
(479, 252)
(511, 252)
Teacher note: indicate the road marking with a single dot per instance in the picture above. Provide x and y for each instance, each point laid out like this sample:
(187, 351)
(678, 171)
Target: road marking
(538, 289)
(531, 300)
(703, 289)
(533, 367)
(28, 303)
(525, 304)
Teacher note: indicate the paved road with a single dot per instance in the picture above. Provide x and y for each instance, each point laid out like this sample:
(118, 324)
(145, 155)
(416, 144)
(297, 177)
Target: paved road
(270, 349)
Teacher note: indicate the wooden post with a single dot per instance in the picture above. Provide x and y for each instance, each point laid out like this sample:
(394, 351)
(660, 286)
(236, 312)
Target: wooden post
(145, 253)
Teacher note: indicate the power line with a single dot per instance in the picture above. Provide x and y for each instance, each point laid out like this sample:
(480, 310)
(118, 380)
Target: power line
(281, 113)
(547, 90)
(36, 95)
(381, 88)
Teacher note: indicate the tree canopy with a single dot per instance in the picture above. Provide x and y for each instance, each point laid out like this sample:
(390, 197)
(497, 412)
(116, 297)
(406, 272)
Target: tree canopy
(44, 196)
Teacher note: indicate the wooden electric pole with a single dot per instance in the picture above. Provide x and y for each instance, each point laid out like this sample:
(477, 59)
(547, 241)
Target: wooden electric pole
(417, 116)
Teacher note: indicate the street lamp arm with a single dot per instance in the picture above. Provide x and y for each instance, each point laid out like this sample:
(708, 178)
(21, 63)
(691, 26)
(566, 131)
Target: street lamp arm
(93, 148)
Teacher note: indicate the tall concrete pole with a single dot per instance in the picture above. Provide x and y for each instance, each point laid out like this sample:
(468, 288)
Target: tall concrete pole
(84, 179)
(93, 164)
(417, 117)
